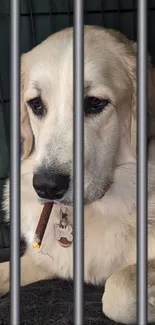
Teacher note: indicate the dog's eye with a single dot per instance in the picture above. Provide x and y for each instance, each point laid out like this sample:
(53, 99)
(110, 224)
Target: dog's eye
(37, 106)
(93, 105)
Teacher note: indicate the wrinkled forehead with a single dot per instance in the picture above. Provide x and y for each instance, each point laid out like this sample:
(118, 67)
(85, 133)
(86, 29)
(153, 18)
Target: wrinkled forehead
(51, 66)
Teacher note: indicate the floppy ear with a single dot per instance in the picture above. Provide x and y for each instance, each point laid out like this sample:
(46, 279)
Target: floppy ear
(26, 131)
(130, 63)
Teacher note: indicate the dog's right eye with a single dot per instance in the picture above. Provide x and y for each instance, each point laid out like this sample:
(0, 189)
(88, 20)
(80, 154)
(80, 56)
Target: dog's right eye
(37, 106)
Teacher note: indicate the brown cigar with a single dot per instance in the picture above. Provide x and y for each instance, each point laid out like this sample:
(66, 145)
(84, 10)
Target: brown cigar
(40, 230)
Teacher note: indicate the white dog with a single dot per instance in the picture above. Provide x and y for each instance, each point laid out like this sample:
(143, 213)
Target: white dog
(110, 165)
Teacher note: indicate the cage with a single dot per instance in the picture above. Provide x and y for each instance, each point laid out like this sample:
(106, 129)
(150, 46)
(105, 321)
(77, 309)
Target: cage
(39, 19)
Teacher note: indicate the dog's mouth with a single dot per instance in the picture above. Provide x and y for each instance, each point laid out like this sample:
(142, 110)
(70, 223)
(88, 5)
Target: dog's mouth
(68, 202)
(63, 201)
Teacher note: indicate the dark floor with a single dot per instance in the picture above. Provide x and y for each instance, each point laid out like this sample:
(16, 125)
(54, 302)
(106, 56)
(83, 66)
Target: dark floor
(51, 302)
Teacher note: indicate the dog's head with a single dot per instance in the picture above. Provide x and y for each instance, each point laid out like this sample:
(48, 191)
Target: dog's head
(109, 111)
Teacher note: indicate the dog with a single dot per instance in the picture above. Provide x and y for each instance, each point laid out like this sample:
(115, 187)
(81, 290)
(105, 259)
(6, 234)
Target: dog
(109, 165)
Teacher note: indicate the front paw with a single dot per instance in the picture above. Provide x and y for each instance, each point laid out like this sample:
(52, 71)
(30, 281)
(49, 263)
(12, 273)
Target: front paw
(118, 301)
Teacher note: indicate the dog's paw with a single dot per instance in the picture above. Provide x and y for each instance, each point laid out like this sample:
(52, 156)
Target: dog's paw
(118, 301)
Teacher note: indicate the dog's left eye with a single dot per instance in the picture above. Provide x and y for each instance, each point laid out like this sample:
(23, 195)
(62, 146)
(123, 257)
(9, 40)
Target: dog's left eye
(37, 106)
(93, 105)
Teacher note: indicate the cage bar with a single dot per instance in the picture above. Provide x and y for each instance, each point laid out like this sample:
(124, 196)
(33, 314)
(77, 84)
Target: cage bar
(78, 157)
(142, 186)
(15, 165)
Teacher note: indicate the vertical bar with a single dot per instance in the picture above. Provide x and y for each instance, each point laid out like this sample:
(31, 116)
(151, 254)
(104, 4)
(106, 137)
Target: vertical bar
(15, 164)
(78, 157)
(142, 187)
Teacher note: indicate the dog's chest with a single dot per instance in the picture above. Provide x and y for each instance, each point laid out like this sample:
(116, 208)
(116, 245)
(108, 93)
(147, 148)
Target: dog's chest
(103, 250)
(55, 258)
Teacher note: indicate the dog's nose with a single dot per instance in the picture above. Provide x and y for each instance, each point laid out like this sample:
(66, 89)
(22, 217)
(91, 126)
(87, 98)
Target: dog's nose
(51, 186)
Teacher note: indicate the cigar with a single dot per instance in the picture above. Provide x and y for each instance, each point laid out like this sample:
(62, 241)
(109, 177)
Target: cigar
(42, 224)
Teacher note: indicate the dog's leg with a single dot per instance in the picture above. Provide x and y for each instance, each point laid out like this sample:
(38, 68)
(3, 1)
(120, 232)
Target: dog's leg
(119, 298)
(30, 273)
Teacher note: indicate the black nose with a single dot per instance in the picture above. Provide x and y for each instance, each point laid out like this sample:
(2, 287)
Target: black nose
(51, 186)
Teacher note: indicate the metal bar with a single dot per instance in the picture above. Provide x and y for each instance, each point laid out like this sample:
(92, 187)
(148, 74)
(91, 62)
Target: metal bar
(15, 165)
(78, 157)
(142, 185)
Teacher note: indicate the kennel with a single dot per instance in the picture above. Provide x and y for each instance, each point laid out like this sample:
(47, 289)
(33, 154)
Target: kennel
(41, 18)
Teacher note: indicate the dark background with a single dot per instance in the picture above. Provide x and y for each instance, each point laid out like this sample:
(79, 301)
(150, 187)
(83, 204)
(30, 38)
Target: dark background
(40, 18)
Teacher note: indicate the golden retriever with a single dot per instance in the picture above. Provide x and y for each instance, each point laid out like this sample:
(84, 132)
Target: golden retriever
(109, 166)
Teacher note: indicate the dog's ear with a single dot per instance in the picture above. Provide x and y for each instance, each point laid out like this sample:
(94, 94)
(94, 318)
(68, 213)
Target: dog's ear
(26, 131)
(131, 66)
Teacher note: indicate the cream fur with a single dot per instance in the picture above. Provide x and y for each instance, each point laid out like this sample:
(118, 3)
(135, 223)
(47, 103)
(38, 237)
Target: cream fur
(110, 154)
